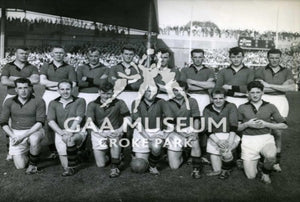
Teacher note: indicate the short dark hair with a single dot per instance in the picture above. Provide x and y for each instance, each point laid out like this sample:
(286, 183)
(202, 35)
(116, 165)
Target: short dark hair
(25, 48)
(218, 91)
(197, 51)
(93, 49)
(183, 85)
(236, 51)
(274, 51)
(255, 84)
(164, 50)
(23, 80)
(106, 86)
(57, 46)
(128, 47)
(65, 81)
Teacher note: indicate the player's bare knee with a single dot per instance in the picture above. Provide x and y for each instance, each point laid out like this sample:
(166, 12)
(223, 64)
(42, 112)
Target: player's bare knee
(35, 139)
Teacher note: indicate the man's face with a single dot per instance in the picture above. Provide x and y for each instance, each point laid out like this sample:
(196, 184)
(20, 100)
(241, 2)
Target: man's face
(58, 54)
(127, 56)
(197, 59)
(22, 55)
(236, 60)
(255, 95)
(94, 57)
(65, 90)
(150, 94)
(218, 100)
(274, 60)
(105, 95)
(178, 93)
(165, 59)
(23, 90)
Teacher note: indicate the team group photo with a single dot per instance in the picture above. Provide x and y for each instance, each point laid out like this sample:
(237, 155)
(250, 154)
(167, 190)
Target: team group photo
(152, 100)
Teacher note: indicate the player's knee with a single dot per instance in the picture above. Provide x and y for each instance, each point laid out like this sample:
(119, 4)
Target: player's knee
(35, 139)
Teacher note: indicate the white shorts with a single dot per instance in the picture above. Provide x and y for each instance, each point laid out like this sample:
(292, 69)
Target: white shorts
(253, 144)
(280, 102)
(22, 147)
(88, 97)
(103, 141)
(49, 96)
(213, 148)
(61, 146)
(141, 144)
(202, 99)
(176, 142)
(236, 100)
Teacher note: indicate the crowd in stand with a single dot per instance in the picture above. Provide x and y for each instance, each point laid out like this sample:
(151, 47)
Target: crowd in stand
(202, 30)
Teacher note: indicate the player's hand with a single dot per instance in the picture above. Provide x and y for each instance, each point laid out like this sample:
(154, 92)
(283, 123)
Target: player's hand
(227, 87)
(262, 123)
(84, 78)
(13, 78)
(223, 144)
(16, 140)
(122, 75)
(266, 85)
(254, 123)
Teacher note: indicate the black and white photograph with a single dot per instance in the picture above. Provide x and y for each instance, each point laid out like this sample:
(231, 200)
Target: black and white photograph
(149, 100)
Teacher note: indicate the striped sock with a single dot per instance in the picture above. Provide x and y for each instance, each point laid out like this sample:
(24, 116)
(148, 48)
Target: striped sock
(227, 165)
(196, 162)
(115, 162)
(33, 159)
(72, 156)
(153, 160)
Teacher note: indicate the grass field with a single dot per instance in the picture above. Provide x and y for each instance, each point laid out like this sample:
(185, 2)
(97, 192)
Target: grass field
(93, 184)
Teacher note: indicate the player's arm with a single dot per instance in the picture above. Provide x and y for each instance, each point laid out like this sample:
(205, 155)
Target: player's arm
(82, 80)
(162, 88)
(34, 79)
(4, 118)
(49, 84)
(280, 122)
(202, 84)
(36, 127)
(288, 85)
(7, 81)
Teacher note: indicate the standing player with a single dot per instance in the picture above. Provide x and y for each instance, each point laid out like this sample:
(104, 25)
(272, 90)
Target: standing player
(90, 76)
(151, 139)
(50, 75)
(19, 68)
(27, 114)
(102, 140)
(257, 118)
(276, 80)
(221, 143)
(124, 76)
(187, 121)
(234, 79)
(67, 142)
(200, 80)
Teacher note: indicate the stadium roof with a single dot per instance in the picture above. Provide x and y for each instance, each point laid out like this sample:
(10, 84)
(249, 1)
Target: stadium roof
(126, 13)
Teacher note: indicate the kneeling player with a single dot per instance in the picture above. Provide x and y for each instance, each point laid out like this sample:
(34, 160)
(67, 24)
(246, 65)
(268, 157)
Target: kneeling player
(221, 143)
(67, 142)
(185, 122)
(27, 114)
(257, 119)
(107, 137)
(150, 139)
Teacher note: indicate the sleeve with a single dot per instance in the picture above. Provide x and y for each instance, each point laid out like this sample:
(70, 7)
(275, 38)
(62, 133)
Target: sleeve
(112, 73)
(51, 116)
(4, 117)
(289, 75)
(124, 111)
(183, 76)
(211, 74)
(80, 110)
(276, 115)
(240, 114)
(194, 108)
(34, 70)
(43, 69)
(233, 118)
(79, 77)
(41, 111)
(177, 74)
(220, 79)
(97, 79)
(72, 74)
(5, 71)
(91, 111)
